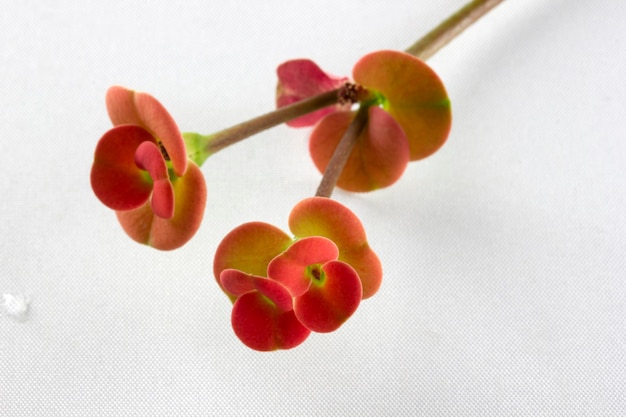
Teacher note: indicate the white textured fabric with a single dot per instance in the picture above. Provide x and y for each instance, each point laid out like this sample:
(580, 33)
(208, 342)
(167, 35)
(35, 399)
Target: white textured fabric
(504, 289)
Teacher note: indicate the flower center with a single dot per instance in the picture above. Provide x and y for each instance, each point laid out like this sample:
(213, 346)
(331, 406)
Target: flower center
(351, 93)
(315, 273)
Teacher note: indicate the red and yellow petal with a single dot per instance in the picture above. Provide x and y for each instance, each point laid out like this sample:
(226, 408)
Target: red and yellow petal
(379, 157)
(332, 298)
(121, 107)
(320, 216)
(130, 107)
(237, 283)
(115, 177)
(249, 248)
(162, 125)
(145, 227)
(414, 94)
(148, 157)
(261, 325)
(291, 268)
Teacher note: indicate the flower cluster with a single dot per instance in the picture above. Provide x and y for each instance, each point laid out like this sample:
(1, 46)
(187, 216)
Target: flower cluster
(408, 119)
(284, 288)
(366, 130)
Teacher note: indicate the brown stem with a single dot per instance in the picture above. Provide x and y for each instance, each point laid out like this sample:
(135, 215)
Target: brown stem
(447, 30)
(234, 134)
(424, 48)
(342, 152)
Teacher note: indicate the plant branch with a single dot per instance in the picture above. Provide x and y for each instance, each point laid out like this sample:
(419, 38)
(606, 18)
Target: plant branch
(234, 134)
(202, 147)
(342, 152)
(450, 28)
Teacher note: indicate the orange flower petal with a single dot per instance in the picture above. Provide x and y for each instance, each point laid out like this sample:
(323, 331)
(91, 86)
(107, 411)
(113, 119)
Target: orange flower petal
(320, 216)
(120, 103)
(260, 325)
(130, 107)
(379, 157)
(164, 128)
(238, 283)
(249, 248)
(414, 94)
(115, 177)
(145, 227)
(331, 300)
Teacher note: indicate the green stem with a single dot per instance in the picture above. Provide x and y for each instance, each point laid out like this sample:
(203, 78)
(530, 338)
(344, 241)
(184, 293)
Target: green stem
(424, 48)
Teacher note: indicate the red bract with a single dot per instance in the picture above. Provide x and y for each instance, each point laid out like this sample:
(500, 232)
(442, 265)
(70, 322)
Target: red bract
(412, 93)
(326, 291)
(249, 248)
(299, 79)
(284, 288)
(318, 216)
(260, 325)
(141, 171)
(263, 317)
(334, 295)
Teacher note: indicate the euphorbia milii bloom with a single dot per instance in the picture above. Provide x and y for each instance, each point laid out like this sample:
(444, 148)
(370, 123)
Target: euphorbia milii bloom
(408, 119)
(141, 171)
(326, 291)
(283, 288)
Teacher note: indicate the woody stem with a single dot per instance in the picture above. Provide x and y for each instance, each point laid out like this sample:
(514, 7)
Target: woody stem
(342, 152)
(234, 134)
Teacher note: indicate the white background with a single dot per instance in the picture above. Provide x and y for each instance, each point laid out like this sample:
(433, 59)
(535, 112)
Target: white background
(503, 291)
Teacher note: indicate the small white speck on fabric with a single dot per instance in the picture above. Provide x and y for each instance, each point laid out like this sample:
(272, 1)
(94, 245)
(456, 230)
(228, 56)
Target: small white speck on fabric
(15, 306)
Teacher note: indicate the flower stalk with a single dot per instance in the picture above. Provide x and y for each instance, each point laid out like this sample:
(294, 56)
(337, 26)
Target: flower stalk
(200, 147)
(450, 28)
(234, 134)
(342, 152)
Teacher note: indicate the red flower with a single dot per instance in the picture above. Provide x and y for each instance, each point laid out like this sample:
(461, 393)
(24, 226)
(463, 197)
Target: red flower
(283, 289)
(408, 119)
(141, 171)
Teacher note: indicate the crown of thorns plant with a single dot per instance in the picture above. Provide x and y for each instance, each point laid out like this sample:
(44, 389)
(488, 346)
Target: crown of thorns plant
(366, 128)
